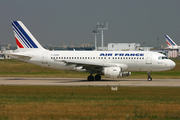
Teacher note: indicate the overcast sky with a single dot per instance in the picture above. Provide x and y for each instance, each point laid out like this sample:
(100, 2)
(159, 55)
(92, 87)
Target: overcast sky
(58, 21)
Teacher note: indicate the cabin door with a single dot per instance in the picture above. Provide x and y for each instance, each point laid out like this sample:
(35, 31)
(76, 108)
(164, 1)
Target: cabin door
(44, 58)
(149, 58)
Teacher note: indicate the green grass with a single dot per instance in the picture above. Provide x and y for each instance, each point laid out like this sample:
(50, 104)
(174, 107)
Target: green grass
(14, 68)
(55, 102)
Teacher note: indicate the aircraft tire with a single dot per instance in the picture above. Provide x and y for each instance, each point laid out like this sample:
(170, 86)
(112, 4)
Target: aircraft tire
(97, 77)
(90, 78)
(149, 79)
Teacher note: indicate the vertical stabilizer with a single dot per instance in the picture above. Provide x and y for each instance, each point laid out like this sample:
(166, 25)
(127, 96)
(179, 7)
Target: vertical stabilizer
(24, 39)
(169, 41)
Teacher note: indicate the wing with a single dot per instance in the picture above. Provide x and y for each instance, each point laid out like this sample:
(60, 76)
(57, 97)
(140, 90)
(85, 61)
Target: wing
(92, 66)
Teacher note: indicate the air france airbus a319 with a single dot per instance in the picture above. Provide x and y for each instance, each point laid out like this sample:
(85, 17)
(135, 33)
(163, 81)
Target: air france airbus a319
(112, 64)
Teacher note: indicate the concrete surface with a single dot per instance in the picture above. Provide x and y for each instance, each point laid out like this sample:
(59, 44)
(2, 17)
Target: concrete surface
(84, 82)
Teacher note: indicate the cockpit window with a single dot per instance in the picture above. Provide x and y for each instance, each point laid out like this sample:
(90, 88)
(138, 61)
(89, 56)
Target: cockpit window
(162, 57)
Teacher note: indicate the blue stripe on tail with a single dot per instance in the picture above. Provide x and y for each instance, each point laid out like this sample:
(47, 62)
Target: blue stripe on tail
(171, 42)
(25, 37)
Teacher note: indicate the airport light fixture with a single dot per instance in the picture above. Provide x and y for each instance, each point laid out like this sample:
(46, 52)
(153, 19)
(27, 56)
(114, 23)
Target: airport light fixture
(95, 32)
(102, 26)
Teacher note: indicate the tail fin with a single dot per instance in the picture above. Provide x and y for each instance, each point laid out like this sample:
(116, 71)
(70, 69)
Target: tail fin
(169, 41)
(24, 39)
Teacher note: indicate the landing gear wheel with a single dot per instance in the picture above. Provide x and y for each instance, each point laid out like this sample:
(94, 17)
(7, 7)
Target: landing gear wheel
(90, 78)
(97, 77)
(149, 79)
(149, 76)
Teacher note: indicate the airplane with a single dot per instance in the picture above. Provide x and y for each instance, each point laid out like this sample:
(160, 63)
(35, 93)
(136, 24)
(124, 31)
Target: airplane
(112, 64)
(171, 44)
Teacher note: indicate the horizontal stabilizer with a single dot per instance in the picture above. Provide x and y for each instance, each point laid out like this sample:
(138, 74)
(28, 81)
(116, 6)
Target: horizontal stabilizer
(19, 56)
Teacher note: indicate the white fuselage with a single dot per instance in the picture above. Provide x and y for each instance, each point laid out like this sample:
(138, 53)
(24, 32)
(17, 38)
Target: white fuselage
(133, 60)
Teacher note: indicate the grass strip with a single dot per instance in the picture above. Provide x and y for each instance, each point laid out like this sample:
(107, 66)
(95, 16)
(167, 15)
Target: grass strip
(57, 102)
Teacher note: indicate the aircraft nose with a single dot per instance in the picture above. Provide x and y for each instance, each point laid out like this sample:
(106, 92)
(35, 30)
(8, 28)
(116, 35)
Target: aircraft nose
(172, 64)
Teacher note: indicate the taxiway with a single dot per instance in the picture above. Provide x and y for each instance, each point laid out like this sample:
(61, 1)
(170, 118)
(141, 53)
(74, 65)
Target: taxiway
(84, 82)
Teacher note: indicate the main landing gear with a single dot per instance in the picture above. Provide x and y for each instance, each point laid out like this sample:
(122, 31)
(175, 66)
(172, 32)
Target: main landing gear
(91, 77)
(149, 76)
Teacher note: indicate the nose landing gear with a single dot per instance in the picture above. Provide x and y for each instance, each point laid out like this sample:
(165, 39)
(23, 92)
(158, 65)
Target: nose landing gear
(149, 76)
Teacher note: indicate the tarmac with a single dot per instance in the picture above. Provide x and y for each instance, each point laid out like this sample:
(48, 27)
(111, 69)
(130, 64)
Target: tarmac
(84, 82)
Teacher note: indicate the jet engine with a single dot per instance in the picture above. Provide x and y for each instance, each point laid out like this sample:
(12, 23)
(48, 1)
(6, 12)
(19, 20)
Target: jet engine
(112, 72)
(115, 72)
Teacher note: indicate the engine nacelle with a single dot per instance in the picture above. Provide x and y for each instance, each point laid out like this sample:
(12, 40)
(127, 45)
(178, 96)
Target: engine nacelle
(112, 72)
(126, 74)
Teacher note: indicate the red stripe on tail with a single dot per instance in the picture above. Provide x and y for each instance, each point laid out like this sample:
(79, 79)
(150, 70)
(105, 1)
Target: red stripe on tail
(18, 43)
(168, 43)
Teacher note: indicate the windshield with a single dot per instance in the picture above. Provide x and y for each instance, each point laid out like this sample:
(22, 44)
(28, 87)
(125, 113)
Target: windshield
(162, 57)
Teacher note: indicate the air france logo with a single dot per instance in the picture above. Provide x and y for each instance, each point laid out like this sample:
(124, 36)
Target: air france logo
(122, 54)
